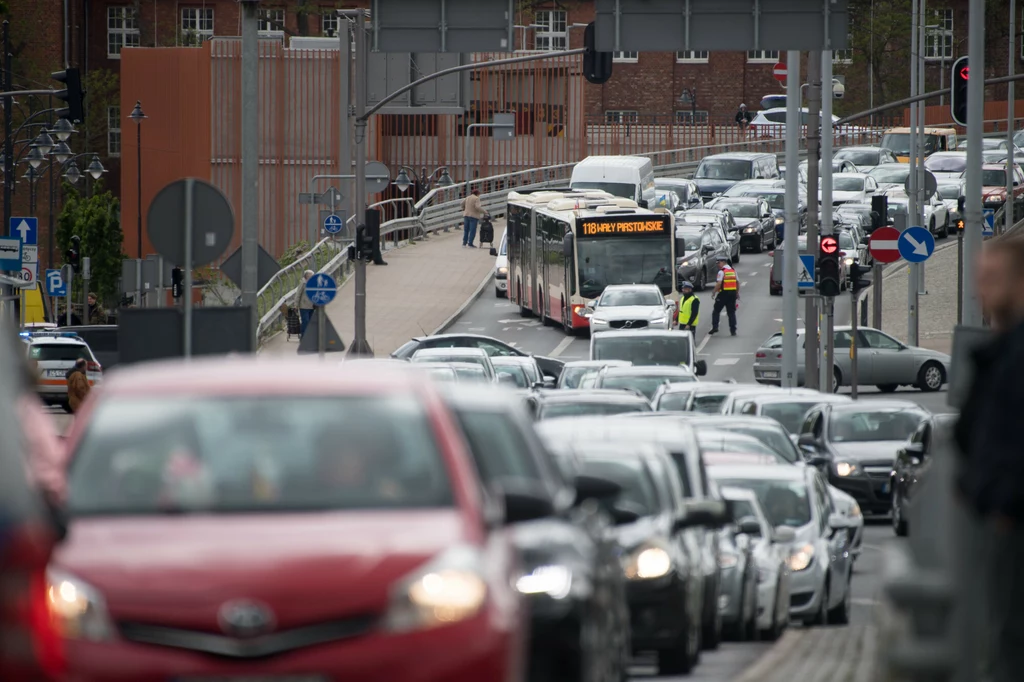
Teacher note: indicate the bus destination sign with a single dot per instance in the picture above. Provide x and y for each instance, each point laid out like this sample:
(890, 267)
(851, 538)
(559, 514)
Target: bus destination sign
(617, 226)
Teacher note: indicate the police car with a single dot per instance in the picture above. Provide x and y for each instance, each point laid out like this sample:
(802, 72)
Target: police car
(53, 353)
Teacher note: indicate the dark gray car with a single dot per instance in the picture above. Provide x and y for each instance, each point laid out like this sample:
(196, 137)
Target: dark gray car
(753, 217)
(698, 248)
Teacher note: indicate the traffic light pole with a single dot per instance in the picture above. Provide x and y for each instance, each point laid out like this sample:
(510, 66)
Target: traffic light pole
(825, 222)
(975, 122)
(790, 297)
(812, 312)
(360, 346)
(854, 378)
(912, 179)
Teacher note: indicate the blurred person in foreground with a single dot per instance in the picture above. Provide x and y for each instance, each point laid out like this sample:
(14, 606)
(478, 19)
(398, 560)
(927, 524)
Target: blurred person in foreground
(78, 385)
(988, 434)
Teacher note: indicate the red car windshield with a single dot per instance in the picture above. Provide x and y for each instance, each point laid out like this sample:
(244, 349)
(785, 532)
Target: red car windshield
(265, 454)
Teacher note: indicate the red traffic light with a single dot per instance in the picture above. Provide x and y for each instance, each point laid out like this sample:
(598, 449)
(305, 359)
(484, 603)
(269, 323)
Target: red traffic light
(965, 72)
(829, 245)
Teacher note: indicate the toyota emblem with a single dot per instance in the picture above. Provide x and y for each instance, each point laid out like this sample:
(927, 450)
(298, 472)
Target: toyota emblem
(244, 618)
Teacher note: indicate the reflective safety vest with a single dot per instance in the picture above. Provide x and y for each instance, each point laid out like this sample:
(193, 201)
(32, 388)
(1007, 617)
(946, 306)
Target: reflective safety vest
(729, 281)
(685, 305)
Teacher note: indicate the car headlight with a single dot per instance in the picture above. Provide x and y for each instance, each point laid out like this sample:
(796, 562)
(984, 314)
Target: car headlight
(801, 558)
(686, 263)
(554, 581)
(728, 559)
(502, 271)
(448, 589)
(779, 220)
(647, 562)
(845, 469)
(749, 230)
(658, 320)
(855, 512)
(78, 609)
(848, 261)
(597, 320)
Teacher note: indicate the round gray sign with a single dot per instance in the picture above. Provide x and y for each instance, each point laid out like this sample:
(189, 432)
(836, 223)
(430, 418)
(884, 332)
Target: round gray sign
(377, 177)
(213, 223)
(930, 185)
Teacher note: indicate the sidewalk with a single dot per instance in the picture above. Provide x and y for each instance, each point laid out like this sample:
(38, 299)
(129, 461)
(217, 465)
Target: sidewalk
(936, 311)
(423, 285)
(819, 654)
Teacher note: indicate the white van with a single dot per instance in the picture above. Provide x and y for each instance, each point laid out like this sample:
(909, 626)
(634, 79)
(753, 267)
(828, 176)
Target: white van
(631, 177)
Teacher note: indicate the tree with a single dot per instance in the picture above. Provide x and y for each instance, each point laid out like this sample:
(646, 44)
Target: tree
(103, 90)
(97, 220)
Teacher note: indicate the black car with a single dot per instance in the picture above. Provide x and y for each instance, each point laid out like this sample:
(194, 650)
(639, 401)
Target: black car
(571, 574)
(102, 341)
(764, 429)
(754, 218)
(494, 347)
(855, 444)
(680, 440)
(576, 403)
(913, 461)
(660, 548)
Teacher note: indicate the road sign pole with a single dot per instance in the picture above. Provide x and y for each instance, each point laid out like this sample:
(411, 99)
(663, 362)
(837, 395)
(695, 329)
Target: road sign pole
(187, 270)
(975, 123)
(321, 331)
(790, 248)
(86, 275)
(812, 346)
(360, 346)
(830, 342)
(160, 295)
(250, 166)
(67, 293)
(854, 379)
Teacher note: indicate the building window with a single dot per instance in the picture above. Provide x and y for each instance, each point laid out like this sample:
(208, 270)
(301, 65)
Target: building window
(627, 57)
(113, 131)
(692, 56)
(844, 56)
(552, 30)
(938, 37)
(271, 21)
(690, 117)
(618, 116)
(763, 56)
(329, 23)
(196, 25)
(122, 30)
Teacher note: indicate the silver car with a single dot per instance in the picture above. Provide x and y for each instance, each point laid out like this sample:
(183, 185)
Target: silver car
(630, 306)
(788, 410)
(476, 356)
(723, 220)
(574, 371)
(882, 361)
(819, 557)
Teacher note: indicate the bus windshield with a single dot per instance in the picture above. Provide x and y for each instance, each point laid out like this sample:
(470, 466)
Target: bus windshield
(624, 261)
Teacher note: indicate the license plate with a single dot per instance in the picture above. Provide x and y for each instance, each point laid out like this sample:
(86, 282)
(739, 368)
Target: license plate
(770, 375)
(55, 373)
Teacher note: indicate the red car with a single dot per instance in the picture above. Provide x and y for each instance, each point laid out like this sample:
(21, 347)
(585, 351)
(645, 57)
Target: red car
(241, 521)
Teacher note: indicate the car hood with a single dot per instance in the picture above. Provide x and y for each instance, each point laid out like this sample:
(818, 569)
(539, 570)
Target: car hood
(631, 535)
(687, 255)
(711, 185)
(629, 312)
(178, 570)
(747, 222)
(841, 195)
(880, 451)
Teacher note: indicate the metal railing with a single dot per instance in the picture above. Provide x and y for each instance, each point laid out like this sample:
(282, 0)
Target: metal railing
(441, 209)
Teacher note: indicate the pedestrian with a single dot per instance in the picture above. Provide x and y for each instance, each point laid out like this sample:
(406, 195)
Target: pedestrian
(96, 313)
(727, 295)
(689, 309)
(305, 305)
(472, 212)
(743, 117)
(991, 478)
(78, 385)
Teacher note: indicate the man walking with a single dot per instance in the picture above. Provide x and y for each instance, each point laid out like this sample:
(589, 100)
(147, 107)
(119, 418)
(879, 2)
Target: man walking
(472, 212)
(991, 480)
(727, 295)
(305, 305)
(689, 309)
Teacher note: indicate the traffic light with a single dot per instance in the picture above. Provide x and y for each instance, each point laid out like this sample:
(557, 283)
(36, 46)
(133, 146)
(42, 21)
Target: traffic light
(72, 94)
(879, 212)
(73, 255)
(958, 91)
(960, 201)
(364, 243)
(829, 279)
(860, 277)
(177, 282)
(597, 66)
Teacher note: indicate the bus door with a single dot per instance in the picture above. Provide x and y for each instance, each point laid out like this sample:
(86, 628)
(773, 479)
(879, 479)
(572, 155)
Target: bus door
(536, 253)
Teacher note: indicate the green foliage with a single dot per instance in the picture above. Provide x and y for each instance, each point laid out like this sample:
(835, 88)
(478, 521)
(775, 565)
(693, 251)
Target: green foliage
(103, 90)
(292, 254)
(97, 220)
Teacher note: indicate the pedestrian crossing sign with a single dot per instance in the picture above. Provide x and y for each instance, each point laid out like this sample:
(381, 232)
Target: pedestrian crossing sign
(805, 274)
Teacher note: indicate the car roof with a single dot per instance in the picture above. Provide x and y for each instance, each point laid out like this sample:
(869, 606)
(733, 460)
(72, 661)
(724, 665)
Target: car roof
(804, 397)
(691, 228)
(877, 406)
(891, 164)
(992, 166)
(957, 153)
(449, 350)
(741, 200)
(739, 156)
(642, 287)
(736, 493)
(672, 333)
(620, 425)
(483, 396)
(726, 420)
(512, 360)
(590, 395)
(450, 336)
(861, 147)
(773, 472)
(849, 175)
(647, 370)
(59, 340)
(672, 182)
(597, 363)
(678, 387)
(715, 386)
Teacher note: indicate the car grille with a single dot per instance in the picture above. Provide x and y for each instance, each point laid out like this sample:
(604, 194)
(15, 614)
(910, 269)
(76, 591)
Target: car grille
(627, 324)
(254, 647)
(877, 471)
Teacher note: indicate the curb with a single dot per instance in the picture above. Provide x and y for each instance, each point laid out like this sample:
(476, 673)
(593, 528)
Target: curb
(772, 658)
(465, 306)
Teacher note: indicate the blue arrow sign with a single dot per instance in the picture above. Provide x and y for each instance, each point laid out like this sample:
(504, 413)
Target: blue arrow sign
(25, 229)
(333, 224)
(916, 244)
(805, 276)
(55, 284)
(321, 289)
(988, 222)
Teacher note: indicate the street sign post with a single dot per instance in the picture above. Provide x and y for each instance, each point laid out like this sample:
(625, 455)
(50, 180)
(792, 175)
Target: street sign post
(333, 224)
(988, 222)
(55, 285)
(884, 245)
(321, 290)
(779, 72)
(916, 244)
(26, 229)
(10, 254)
(29, 264)
(805, 277)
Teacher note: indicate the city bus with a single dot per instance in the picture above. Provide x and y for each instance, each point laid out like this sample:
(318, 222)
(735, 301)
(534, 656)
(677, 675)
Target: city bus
(565, 247)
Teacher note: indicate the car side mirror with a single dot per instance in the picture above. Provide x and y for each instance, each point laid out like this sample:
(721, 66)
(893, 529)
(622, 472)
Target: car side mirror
(700, 368)
(749, 526)
(595, 488)
(550, 381)
(525, 502)
(837, 522)
(493, 251)
(707, 513)
(807, 440)
(914, 449)
(784, 535)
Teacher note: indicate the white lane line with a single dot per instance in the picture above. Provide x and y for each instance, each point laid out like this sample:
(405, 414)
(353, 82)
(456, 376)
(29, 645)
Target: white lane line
(743, 283)
(864, 602)
(478, 329)
(562, 345)
(726, 361)
(737, 353)
(505, 329)
(707, 337)
(754, 273)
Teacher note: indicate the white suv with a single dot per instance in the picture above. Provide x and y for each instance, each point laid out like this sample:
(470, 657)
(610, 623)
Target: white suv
(54, 353)
(501, 267)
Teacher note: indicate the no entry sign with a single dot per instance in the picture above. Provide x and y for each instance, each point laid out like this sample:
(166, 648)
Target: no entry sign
(779, 72)
(884, 245)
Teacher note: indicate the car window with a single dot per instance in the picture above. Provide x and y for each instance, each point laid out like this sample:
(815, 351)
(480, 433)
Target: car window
(785, 503)
(589, 407)
(775, 439)
(625, 297)
(471, 373)
(874, 425)
(876, 339)
(144, 455)
(648, 385)
(708, 403)
(743, 509)
(58, 352)
(517, 374)
(808, 423)
(498, 446)
(638, 489)
(492, 349)
(774, 342)
(674, 402)
(789, 414)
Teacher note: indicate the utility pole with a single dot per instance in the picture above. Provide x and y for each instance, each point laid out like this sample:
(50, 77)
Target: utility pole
(812, 360)
(7, 86)
(250, 160)
(360, 346)
(921, 109)
(345, 107)
(1008, 215)
(975, 122)
(912, 181)
(790, 296)
(827, 228)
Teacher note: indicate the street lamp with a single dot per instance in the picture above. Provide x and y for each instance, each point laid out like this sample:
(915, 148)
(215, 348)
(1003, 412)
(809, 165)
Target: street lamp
(402, 181)
(407, 177)
(689, 96)
(137, 116)
(96, 169)
(72, 174)
(445, 180)
(43, 143)
(63, 129)
(36, 157)
(61, 153)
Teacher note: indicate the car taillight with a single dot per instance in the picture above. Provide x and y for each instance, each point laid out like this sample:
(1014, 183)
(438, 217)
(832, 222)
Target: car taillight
(93, 367)
(760, 355)
(33, 649)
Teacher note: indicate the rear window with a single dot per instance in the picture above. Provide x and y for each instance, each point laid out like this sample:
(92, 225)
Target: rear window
(269, 454)
(673, 402)
(58, 352)
(790, 415)
(649, 349)
(560, 409)
(648, 385)
(709, 403)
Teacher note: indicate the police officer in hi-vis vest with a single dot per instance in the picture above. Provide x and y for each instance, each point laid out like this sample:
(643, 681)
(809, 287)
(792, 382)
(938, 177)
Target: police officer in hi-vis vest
(689, 308)
(727, 294)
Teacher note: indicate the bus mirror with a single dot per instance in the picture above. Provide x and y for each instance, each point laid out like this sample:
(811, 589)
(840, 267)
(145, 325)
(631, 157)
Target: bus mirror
(567, 245)
(642, 203)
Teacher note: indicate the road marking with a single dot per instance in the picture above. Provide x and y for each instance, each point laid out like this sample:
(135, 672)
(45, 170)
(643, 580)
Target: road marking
(562, 345)
(727, 361)
(864, 602)
(737, 353)
(521, 322)
(513, 344)
(707, 337)
(743, 283)
(478, 329)
(754, 273)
